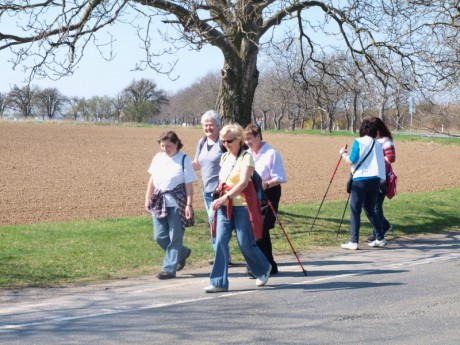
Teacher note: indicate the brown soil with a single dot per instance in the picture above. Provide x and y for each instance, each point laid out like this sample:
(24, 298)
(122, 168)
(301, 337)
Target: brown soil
(57, 172)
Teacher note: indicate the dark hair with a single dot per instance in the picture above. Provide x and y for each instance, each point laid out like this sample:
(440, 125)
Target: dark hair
(368, 128)
(382, 129)
(172, 137)
(253, 129)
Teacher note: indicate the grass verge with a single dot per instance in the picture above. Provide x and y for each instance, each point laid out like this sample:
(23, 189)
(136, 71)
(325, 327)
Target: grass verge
(55, 254)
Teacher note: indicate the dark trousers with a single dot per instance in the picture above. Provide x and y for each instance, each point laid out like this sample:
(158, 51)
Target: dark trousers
(364, 195)
(269, 219)
(379, 210)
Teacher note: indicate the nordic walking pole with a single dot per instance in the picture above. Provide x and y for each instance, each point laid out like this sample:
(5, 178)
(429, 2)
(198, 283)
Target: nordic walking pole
(324, 197)
(343, 215)
(285, 234)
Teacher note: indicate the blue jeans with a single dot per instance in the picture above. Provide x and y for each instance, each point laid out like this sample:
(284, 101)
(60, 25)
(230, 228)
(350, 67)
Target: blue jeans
(364, 195)
(207, 197)
(256, 260)
(169, 233)
(379, 210)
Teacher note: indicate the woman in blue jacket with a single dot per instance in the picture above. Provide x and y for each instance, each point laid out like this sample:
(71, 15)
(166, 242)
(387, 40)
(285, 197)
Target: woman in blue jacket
(366, 182)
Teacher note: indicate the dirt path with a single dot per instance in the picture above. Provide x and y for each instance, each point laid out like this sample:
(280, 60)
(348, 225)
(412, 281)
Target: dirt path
(54, 172)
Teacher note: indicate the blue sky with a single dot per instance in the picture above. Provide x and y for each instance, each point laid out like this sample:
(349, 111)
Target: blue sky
(98, 77)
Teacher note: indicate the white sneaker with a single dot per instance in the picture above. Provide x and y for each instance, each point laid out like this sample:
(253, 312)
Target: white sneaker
(212, 288)
(377, 243)
(262, 280)
(350, 245)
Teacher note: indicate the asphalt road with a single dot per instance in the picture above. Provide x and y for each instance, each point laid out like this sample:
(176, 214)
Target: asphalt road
(407, 293)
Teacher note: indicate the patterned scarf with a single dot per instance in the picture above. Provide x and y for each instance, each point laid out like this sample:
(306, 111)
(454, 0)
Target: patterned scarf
(158, 205)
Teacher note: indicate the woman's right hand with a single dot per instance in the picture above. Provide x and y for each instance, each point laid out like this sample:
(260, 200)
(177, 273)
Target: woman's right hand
(216, 204)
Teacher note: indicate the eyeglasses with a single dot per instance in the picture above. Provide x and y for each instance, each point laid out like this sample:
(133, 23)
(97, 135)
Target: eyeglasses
(227, 141)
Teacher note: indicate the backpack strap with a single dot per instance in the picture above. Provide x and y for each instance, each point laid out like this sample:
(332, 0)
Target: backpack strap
(362, 161)
(203, 141)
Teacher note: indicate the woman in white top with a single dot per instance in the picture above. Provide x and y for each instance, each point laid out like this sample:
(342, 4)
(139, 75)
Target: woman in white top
(169, 198)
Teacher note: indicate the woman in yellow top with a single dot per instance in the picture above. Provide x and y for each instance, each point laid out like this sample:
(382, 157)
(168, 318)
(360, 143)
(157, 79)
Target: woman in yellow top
(232, 212)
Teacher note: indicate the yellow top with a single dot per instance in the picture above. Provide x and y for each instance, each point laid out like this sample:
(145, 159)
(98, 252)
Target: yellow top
(230, 172)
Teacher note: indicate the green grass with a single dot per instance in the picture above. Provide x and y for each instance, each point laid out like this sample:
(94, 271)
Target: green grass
(66, 253)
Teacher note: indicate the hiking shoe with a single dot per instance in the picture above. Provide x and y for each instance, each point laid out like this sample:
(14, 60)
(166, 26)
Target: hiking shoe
(370, 239)
(377, 243)
(263, 279)
(165, 275)
(181, 264)
(387, 230)
(350, 245)
(212, 289)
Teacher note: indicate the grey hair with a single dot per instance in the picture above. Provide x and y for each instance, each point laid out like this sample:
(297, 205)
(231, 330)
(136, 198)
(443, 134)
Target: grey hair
(211, 115)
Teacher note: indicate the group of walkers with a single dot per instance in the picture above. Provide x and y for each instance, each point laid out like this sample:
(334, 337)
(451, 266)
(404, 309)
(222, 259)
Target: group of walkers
(229, 159)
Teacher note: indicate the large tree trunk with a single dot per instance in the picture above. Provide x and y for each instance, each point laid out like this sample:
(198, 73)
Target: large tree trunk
(237, 88)
(239, 74)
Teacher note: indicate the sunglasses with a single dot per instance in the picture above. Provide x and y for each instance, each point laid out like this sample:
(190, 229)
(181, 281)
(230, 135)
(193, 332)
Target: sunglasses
(227, 141)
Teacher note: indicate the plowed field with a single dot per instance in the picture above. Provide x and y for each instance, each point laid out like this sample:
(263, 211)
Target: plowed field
(56, 172)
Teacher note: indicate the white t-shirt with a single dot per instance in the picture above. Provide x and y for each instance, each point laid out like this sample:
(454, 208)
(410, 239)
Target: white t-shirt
(167, 173)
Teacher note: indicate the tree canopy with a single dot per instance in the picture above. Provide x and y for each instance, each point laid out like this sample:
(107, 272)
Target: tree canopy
(418, 37)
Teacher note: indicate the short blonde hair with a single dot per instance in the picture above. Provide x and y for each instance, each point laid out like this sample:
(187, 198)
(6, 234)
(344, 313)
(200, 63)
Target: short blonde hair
(235, 129)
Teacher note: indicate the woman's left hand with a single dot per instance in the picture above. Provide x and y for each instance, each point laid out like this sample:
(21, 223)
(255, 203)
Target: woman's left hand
(188, 212)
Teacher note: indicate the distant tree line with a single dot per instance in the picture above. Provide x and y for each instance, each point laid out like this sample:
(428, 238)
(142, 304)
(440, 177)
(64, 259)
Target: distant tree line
(140, 101)
(290, 95)
(333, 53)
(327, 96)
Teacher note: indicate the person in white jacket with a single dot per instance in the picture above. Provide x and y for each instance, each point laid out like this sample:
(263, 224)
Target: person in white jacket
(366, 183)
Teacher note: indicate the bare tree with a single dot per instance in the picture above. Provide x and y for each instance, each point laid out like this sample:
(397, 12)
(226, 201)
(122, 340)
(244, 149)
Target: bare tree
(23, 99)
(188, 104)
(83, 109)
(263, 100)
(4, 102)
(143, 100)
(74, 108)
(50, 102)
(237, 28)
(101, 108)
(119, 104)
